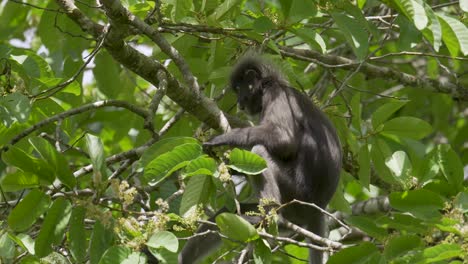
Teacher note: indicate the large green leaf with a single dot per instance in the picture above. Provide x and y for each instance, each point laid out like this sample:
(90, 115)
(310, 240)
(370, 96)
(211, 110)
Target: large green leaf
(407, 126)
(400, 165)
(53, 228)
(363, 253)
(14, 107)
(77, 234)
(246, 162)
(164, 165)
(385, 111)
(163, 239)
(236, 227)
(20, 159)
(414, 11)
(421, 203)
(107, 74)
(18, 180)
(400, 245)
(101, 239)
(122, 255)
(442, 252)
(454, 34)
(201, 166)
(224, 9)
(434, 30)
(364, 166)
(312, 38)
(25, 214)
(55, 160)
(451, 166)
(163, 146)
(263, 24)
(367, 224)
(354, 33)
(197, 191)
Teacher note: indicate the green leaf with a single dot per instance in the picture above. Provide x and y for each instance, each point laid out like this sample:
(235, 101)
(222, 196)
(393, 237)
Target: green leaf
(53, 228)
(96, 154)
(400, 245)
(224, 9)
(24, 241)
(164, 239)
(364, 166)
(201, 166)
(297, 10)
(236, 227)
(451, 166)
(354, 33)
(442, 252)
(422, 204)
(163, 146)
(414, 11)
(400, 165)
(368, 225)
(101, 239)
(356, 111)
(379, 152)
(434, 30)
(164, 165)
(25, 214)
(262, 252)
(7, 247)
(464, 5)
(454, 34)
(385, 111)
(14, 107)
(246, 162)
(17, 181)
(197, 191)
(312, 38)
(461, 202)
(263, 24)
(403, 222)
(363, 253)
(56, 161)
(107, 75)
(115, 254)
(407, 126)
(77, 234)
(181, 9)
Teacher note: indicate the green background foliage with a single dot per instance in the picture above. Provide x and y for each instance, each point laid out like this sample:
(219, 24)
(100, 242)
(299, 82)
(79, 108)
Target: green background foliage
(104, 107)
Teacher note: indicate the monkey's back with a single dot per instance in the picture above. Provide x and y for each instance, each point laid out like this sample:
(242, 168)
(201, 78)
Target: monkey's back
(318, 161)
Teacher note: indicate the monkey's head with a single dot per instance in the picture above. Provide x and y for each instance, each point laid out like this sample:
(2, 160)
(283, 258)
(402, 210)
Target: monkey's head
(246, 81)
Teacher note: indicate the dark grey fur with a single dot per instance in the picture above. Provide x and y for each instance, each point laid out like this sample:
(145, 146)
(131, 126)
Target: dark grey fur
(296, 139)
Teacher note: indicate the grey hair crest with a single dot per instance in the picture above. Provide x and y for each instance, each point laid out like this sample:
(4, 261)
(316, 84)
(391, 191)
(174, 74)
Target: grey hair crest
(266, 68)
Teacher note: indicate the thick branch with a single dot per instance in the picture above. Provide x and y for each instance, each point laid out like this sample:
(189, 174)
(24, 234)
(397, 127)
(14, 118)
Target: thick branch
(117, 12)
(201, 107)
(371, 71)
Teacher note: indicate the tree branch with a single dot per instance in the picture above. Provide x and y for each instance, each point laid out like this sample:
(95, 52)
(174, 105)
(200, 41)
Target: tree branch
(457, 92)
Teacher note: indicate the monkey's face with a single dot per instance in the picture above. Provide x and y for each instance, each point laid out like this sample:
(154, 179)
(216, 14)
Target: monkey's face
(249, 92)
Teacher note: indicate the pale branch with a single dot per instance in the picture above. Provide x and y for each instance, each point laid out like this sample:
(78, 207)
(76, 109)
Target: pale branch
(313, 237)
(292, 241)
(323, 211)
(373, 71)
(372, 206)
(88, 107)
(200, 106)
(153, 107)
(116, 11)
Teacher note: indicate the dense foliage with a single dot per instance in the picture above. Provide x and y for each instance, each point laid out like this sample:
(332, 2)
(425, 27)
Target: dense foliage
(104, 105)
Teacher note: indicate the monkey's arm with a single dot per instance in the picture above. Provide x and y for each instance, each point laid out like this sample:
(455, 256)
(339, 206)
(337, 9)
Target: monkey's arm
(278, 141)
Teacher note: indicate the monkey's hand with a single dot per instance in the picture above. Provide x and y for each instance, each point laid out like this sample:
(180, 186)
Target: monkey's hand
(212, 143)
